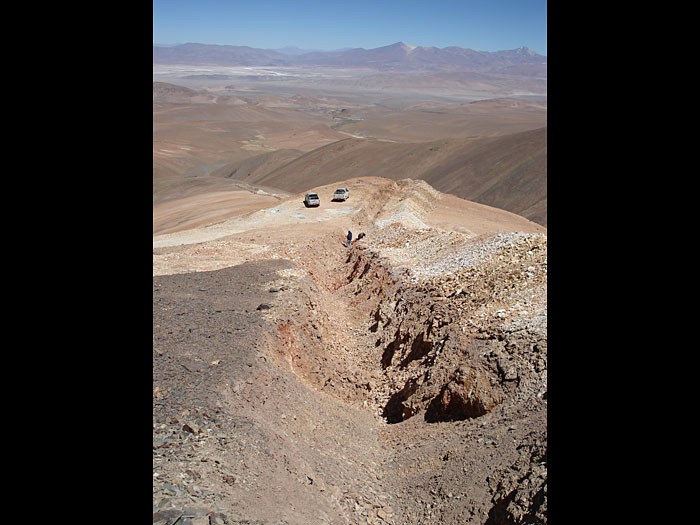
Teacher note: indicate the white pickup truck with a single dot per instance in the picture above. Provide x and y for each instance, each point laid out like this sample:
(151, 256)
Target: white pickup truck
(341, 194)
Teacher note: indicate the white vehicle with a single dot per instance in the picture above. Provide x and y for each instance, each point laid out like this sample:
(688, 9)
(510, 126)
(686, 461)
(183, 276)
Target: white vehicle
(311, 199)
(341, 194)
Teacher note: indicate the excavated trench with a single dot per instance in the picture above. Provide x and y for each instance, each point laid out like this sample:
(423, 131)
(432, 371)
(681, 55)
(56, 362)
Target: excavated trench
(377, 340)
(450, 396)
(413, 331)
(440, 361)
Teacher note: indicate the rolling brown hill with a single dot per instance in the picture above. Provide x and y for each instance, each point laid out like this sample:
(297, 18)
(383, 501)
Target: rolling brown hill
(507, 172)
(492, 152)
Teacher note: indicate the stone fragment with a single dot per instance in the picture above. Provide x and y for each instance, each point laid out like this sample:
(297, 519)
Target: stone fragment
(191, 427)
(467, 394)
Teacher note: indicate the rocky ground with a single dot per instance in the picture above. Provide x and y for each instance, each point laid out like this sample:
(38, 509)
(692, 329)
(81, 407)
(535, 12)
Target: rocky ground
(401, 380)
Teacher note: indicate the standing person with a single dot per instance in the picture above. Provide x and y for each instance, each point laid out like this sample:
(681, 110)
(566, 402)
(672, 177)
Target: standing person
(347, 244)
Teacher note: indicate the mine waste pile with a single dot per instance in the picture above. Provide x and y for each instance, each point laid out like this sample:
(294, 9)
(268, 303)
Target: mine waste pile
(402, 380)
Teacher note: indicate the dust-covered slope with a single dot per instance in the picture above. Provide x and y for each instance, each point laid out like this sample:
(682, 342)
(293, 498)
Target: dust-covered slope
(255, 169)
(507, 172)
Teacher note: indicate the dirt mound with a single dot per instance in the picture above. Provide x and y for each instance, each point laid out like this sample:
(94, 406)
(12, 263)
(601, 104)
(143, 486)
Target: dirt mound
(402, 380)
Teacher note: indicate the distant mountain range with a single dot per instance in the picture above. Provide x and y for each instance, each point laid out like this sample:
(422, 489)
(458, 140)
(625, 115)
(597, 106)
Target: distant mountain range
(395, 57)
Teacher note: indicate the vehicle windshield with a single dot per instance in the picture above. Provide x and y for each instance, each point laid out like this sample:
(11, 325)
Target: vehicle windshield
(340, 190)
(313, 196)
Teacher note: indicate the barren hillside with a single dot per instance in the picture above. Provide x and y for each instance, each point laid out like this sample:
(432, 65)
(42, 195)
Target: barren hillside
(401, 380)
(490, 151)
(507, 172)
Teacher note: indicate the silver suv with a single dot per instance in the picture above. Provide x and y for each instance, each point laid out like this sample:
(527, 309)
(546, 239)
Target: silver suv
(311, 199)
(341, 194)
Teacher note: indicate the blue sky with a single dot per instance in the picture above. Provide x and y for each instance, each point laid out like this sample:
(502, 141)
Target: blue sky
(489, 25)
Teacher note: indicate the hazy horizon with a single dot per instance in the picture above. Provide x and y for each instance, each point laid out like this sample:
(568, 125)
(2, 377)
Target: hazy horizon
(299, 49)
